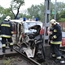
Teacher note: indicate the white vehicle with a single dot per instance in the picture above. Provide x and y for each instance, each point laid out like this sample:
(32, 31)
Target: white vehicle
(16, 25)
(31, 39)
(28, 36)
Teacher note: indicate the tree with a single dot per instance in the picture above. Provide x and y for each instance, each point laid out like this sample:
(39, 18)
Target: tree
(51, 10)
(15, 6)
(33, 11)
(60, 11)
(36, 11)
(4, 13)
(62, 14)
(41, 12)
(1, 13)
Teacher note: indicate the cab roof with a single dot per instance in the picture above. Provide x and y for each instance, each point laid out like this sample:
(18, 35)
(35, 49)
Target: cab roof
(18, 21)
(21, 21)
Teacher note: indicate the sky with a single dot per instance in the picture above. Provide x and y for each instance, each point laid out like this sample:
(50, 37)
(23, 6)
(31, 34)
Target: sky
(28, 3)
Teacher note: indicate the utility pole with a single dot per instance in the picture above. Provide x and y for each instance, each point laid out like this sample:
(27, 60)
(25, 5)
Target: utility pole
(47, 19)
(55, 10)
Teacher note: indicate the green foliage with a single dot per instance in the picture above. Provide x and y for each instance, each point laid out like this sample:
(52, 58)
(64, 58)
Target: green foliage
(7, 62)
(60, 11)
(1, 9)
(36, 11)
(62, 14)
(33, 11)
(4, 13)
(61, 20)
(24, 15)
(15, 5)
(18, 1)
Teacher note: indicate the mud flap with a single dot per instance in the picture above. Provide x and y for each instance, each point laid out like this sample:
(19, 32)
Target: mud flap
(29, 52)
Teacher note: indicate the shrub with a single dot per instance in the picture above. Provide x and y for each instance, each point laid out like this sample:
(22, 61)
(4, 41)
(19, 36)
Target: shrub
(61, 20)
